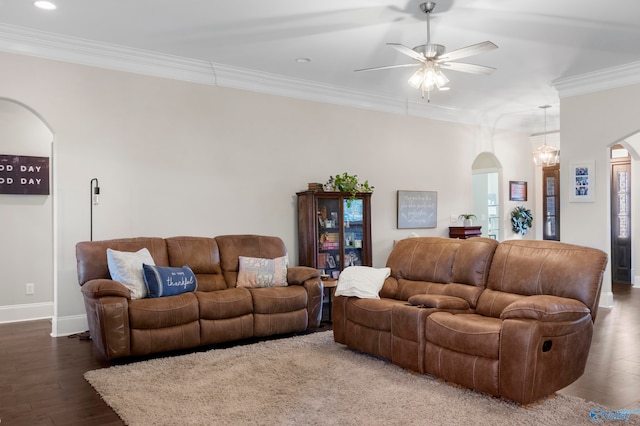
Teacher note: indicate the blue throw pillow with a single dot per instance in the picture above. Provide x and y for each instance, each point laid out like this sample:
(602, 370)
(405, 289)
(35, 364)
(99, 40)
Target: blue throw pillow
(167, 281)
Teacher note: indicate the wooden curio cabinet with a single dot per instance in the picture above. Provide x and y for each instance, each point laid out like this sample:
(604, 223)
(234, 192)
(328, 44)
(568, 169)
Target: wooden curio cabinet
(334, 231)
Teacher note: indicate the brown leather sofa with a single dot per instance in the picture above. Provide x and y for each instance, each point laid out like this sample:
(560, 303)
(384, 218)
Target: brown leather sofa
(216, 312)
(511, 319)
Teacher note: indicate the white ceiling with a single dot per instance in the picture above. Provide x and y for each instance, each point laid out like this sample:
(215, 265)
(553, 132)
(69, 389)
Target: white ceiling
(539, 42)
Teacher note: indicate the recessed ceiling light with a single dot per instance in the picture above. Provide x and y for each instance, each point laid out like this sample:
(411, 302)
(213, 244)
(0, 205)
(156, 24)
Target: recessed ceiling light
(303, 60)
(46, 5)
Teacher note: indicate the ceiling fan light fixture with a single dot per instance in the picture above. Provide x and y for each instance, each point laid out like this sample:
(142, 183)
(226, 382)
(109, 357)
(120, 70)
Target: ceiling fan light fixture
(428, 78)
(431, 57)
(417, 78)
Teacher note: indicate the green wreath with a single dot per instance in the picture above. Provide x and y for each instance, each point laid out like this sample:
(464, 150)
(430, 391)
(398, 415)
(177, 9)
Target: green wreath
(521, 220)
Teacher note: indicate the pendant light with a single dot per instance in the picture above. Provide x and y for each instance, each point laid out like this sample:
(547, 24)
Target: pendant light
(545, 155)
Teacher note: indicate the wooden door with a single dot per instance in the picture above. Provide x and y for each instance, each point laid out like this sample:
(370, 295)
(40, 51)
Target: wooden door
(551, 202)
(621, 220)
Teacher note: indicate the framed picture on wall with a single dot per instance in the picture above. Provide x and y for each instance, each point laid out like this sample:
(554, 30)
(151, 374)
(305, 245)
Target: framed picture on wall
(517, 190)
(417, 209)
(583, 179)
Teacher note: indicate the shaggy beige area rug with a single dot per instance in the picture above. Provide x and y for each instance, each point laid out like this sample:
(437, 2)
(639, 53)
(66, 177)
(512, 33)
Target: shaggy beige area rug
(306, 380)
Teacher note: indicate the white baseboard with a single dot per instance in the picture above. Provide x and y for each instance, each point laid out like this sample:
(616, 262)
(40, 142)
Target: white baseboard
(26, 312)
(72, 324)
(606, 300)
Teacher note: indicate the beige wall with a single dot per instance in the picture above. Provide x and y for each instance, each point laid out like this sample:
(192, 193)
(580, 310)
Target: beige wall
(590, 125)
(179, 158)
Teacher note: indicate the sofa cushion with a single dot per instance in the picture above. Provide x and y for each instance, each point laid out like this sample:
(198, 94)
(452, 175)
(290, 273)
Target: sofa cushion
(546, 308)
(473, 261)
(223, 304)
(256, 272)
(438, 301)
(278, 300)
(168, 281)
(424, 259)
(234, 246)
(371, 313)
(126, 268)
(202, 256)
(91, 256)
(545, 267)
(361, 281)
(491, 303)
(470, 334)
(163, 312)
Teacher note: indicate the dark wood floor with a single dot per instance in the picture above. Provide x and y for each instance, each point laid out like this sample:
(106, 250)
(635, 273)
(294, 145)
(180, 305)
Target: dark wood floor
(42, 383)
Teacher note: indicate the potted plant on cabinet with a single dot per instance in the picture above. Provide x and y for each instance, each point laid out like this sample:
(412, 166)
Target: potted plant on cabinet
(347, 183)
(467, 218)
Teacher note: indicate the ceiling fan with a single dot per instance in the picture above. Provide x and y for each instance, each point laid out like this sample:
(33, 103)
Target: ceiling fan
(432, 58)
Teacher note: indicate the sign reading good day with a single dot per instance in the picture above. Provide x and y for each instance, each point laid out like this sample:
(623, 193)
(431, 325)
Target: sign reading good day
(21, 174)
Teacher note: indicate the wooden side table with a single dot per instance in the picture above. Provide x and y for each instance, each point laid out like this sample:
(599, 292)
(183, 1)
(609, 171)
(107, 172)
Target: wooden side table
(464, 232)
(330, 285)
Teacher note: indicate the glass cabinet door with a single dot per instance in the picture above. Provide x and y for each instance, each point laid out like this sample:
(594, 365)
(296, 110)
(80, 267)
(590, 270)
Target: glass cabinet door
(352, 229)
(334, 230)
(329, 223)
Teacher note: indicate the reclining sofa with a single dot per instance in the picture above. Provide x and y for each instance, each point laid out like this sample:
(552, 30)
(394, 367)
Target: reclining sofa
(511, 319)
(216, 312)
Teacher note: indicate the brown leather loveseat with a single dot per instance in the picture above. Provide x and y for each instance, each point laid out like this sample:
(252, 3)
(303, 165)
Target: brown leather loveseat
(511, 319)
(216, 312)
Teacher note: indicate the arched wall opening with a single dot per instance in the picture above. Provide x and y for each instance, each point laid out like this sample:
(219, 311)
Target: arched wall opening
(27, 286)
(632, 144)
(486, 170)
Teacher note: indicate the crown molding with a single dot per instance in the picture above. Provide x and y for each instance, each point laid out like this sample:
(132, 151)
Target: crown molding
(604, 79)
(40, 44)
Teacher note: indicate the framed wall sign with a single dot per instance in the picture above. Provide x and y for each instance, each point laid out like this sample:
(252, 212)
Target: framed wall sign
(26, 175)
(417, 209)
(583, 179)
(517, 190)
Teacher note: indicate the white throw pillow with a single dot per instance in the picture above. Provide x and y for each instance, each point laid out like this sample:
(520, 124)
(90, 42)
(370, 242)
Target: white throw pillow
(126, 268)
(364, 282)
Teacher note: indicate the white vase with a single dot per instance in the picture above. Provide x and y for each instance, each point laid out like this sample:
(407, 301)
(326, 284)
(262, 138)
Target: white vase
(468, 222)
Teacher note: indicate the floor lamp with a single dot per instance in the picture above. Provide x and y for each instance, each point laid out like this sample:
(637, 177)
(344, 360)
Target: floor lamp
(95, 200)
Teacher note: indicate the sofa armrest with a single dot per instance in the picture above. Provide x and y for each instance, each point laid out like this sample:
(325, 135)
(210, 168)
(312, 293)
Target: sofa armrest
(96, 289)
(546, 308)
(297, 275)
(309, 278)
(107, 305)
(439, 301)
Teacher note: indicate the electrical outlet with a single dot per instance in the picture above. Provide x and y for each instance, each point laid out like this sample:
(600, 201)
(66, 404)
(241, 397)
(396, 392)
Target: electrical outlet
(30, 289)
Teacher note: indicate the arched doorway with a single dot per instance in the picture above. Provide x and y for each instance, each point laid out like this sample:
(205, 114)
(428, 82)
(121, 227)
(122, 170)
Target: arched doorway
(486, 171)
(624, 183)
(27, 287)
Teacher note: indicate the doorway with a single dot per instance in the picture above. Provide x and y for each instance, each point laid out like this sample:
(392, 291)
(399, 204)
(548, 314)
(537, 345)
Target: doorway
(621, 271)
(486, 194)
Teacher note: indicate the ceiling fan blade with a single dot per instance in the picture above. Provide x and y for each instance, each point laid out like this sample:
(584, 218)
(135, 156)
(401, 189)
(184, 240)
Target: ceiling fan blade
(407, 51)
(470, 68)
(387, 67)
(474, 49)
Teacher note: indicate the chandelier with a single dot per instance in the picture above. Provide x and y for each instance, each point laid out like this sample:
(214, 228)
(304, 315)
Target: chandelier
(545, 155)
